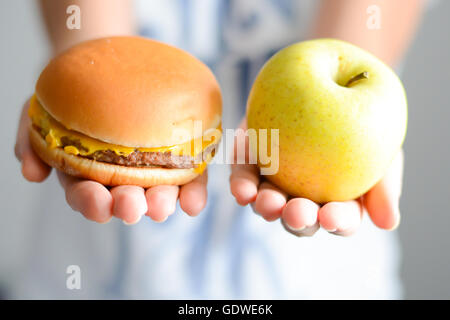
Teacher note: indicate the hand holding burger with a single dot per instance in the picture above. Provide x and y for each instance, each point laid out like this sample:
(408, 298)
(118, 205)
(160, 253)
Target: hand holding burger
(120, 112)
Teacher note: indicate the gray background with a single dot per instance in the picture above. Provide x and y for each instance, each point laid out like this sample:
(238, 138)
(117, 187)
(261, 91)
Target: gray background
(426, 194)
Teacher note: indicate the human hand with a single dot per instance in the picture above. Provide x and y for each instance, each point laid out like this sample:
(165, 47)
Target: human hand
(99, 203)
(303, 217)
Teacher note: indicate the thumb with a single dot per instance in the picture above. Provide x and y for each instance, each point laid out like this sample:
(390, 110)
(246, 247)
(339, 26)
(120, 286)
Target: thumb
(382, 201)
(33, 168)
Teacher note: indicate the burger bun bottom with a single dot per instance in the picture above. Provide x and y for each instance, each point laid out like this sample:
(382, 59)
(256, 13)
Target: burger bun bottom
(105, 173)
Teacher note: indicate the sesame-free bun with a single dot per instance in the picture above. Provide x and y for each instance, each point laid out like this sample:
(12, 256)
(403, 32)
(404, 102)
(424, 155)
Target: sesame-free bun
(105, 173)
(129, 91)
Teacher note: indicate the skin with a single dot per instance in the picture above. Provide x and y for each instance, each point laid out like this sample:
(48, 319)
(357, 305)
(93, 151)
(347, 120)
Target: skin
(299, 216)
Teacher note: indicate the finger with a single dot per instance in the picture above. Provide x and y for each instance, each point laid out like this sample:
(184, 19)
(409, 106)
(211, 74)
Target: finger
(90, 198)
(244, 179)
(270, 201)
(244, 182)
(341, 218)
(129, 203)
(161, 202)
(300, 217)
(33, 168)
(307, 232)
(22, 140)
(382, 201)
(193, 195)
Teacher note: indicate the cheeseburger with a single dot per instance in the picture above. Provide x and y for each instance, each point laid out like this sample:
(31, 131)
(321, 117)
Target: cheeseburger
(126, 110)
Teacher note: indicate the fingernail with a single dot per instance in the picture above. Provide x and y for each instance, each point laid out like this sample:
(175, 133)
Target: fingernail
(295, 229)
(398, 218)
(131, 223)
(331, 230)
(18, 152)
(106, 221)
(163, 220)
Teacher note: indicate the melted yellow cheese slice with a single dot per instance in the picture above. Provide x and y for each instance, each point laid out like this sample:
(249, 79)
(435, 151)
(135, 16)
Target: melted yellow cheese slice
(54, 132)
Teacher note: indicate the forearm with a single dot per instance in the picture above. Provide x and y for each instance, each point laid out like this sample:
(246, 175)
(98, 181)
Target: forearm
(99, 18)
(347, 20)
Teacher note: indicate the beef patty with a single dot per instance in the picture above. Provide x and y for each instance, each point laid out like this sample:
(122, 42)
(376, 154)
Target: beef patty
(142, 159)
(159, 159)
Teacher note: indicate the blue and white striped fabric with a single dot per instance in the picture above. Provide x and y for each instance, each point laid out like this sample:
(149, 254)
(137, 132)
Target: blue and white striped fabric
(227, 251)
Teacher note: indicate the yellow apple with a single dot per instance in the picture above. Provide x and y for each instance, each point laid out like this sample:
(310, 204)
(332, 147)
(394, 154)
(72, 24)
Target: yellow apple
(341, 115)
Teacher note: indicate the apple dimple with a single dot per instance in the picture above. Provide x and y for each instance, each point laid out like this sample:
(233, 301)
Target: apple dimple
(346, 75)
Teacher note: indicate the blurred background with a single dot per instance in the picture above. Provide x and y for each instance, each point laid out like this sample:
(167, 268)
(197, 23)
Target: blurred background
(426, 194)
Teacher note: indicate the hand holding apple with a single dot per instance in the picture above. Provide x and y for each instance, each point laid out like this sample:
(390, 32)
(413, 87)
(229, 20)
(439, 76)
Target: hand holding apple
(303, 217)
(341, 115)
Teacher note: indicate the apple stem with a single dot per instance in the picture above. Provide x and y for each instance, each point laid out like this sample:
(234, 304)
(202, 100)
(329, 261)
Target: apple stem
(362, 75)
